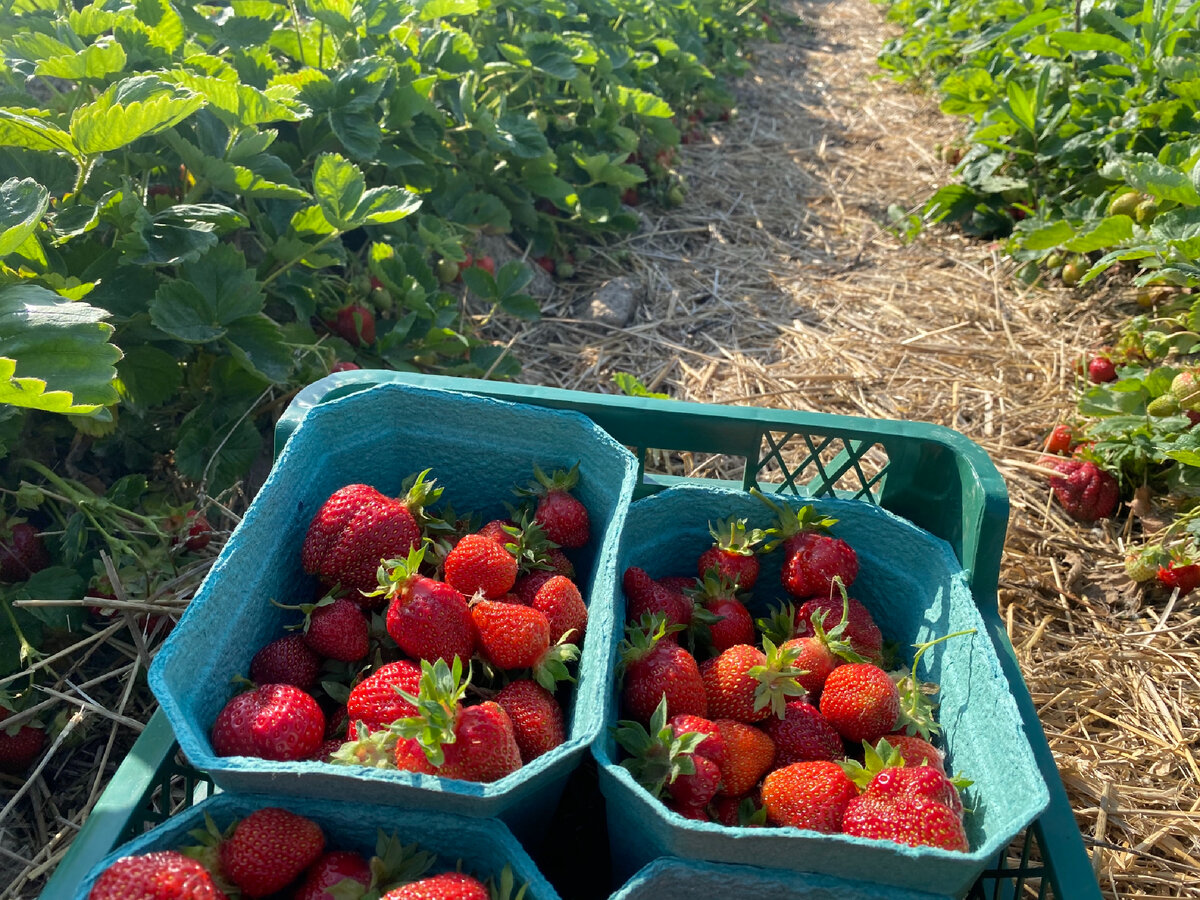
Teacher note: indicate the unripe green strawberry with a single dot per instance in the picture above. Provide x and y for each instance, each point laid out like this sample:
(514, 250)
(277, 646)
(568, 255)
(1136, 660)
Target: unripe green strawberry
(1185, 388)
(1143, 565)
(1165, 405)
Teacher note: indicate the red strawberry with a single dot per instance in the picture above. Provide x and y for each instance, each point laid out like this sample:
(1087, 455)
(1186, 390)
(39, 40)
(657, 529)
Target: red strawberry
(273, 721)
(22, 552)
(344, 366)
(559, 599)
(1061, 440)
(861, 702)
(337, 629)
(751, 754)
(722, 620)
(811, 795)
(427, 619)
(1086, 491)
(333, 868)
(326, 750)
(746, 684)
(645, 595)
(563, 517)
(915, 821)
(653, 668)
(812, 557)
(526, 587)
(498, 531)
(357, 528)
(286, 660)
(1184, 576)
(861, 632)
(163, 875)
(355, 324)
(695, 789)
(479, 563)
(19, 747)
(511, 636)
(375, 702)
(537, 719)
(917, 751)
(803, 734)
(446, 886)
(738, 812)
(1101, 370)
(916, 781)
(269, 849)
(711, 746)
(199, 532)
(663, 759)
(733, 554)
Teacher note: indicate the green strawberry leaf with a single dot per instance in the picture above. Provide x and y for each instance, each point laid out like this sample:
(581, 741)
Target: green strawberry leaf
(135, 107)
(23, 202)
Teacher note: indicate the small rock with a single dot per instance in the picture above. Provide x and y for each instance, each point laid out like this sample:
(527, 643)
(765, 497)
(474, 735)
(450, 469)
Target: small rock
(614, 302)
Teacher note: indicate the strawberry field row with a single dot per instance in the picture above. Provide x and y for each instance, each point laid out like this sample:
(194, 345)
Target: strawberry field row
(1081, 155)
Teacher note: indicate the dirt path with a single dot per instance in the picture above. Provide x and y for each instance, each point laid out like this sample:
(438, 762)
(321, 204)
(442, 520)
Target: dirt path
(777, 285)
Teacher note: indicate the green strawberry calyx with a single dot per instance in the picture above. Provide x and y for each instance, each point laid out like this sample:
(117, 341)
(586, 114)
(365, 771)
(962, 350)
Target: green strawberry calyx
(732, 536)
(551, 667)
(438, 701)
(777, 678)
(834, 638)
(375, 750)
(503, 887)
(543, 484)
(657, 756)
(394, 864)
(876, 758)
(790, 522)
(916, 706)
(396, 574)
(641, 637)
(780, 625)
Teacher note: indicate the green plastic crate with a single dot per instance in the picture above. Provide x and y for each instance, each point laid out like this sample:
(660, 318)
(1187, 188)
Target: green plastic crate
(930, 475)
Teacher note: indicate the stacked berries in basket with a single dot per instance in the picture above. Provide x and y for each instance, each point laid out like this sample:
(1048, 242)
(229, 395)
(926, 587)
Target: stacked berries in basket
(278, 853)
(792, 719)
(438, 642)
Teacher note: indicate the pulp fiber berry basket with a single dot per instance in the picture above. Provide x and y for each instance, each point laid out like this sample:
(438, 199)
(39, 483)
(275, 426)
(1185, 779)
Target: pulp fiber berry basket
(929, 475)
(917, 592)
(483, 847)
(478, 449)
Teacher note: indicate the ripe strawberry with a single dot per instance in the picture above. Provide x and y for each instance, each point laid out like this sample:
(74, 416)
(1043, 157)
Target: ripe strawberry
(1061, 440)
(19, 746)
(479, 563)
(193, 528)
(861, 702)
(1101, 370)
(273, 721)
(732, 554)
(326, 750)
(1184, 576)
(738, 812)
(559, 599)
(803, 734)
(562, 516)
(344, 366)
(354, 323)
(446, 886)
(663, 760)
(711, 746)
(917, 751)
(428, 620)
(1086, 491)
(693, 790)
(286, 660)
(645, 595)
(511, 636)
(861, 632)
(375, 702)
(526, 586)
(915, 821)
(916, 781)
(163, 875)
(330, 869)
(746, 684)
(337, 629)
(537, 718)
(357, 528)
(722, 621)
(653, 668)
(22, 552)
(751, 755)
(812, 557)
(811, 795)
(499, 531)
(269, 849)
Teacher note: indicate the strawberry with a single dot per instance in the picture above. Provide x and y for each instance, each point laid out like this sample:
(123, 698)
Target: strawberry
(1086, 491)
(1101, 370)
(1179, 575)
(812, 557)
(354, 323)
(330, 869)
(199, 531)
(269, 849)
(162, 875)
(746, 684)
(446, 886)
(563, 517)
(479, 563)
(662, 759)
(695, 789)
(1060, 440)
(19, 746)
(917, 751)
(737, 812)
(712, 744)
(722, 621)
(344, 366)
(645, 595)
(357, 528)
(286, 660)
(428, 620)
(751, 755)
(375, 701)
(473, 743)
(537, 718)
(653, 668)
(812, 795)
(336, 629)
(861, 702)
(326, 750)
(511, 636)
(916, 781)
(732, 554)
(526, 586)
(559, 599)
(860, 632)
(499, 530)
(803, 734)
(22, 552)
(915, 821)
(273, 721)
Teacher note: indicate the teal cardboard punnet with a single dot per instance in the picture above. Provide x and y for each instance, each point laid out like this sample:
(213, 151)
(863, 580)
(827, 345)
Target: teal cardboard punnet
(916, 590)
(478, 449)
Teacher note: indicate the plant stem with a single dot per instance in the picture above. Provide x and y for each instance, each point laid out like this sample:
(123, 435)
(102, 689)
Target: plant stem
(283, 268)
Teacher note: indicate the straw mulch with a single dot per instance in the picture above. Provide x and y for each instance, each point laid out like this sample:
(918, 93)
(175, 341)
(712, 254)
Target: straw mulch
(778, 284)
